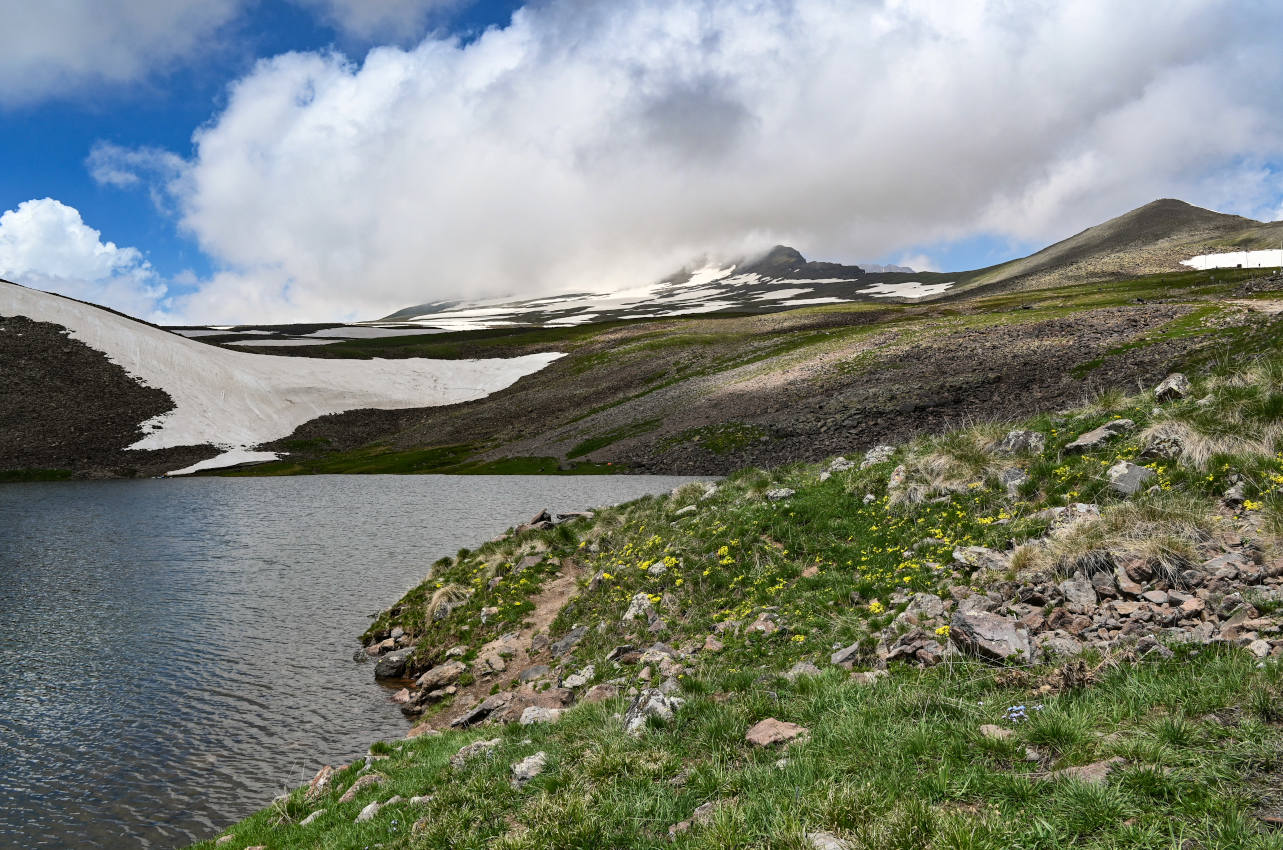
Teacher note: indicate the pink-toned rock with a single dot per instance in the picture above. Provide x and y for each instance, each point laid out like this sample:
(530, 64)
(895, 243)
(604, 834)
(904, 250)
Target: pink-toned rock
(1192, 607)
(811, 571)
(402, 696)
(600, 693)
(712, 644)
(319, 784)
(361, 783)
(770, 731)
(997, 733)
(1096, 773)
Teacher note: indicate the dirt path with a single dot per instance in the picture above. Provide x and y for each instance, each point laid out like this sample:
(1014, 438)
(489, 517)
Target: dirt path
(517, 652)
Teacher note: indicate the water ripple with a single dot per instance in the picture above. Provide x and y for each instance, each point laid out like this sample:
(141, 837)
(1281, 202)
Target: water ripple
(175, 653)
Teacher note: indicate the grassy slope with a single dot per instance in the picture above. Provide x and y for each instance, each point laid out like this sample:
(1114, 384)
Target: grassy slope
(611, 387)
(899, 763)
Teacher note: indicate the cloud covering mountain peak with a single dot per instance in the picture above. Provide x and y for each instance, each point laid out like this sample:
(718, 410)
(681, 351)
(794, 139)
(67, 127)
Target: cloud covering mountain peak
(598, 145)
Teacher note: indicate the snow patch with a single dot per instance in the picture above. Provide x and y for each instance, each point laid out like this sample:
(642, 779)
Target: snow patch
(231, 457)
(708, 274)
(800, 302)
(907, 289)
(237, 400)
(781, 294)
(1237, 260)
(370, 332)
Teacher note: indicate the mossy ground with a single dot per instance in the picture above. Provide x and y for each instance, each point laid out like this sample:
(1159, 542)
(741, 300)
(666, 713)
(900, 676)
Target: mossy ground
(899, 763)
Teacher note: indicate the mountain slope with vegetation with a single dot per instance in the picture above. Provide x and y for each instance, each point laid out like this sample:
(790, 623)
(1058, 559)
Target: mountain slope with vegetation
(714, 394)
(1060, 631)
(1152, 239)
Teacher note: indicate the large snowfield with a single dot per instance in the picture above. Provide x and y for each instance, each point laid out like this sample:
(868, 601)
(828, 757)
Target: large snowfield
(237, 400)
(1237, 260)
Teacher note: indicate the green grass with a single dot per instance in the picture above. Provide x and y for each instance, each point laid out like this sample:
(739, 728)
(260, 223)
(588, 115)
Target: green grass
(439, 460)
(719, 439)
(896, 764)
(622, 433)
(370, 460)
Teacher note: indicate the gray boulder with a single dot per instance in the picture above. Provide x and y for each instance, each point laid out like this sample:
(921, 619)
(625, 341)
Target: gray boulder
(578, 680)
(470, 751)
(1127, 478)
(1059, 643)
(981, 558)
(441, 675)
(392, 665)
(1097, 437)
(1011, 479)
(1174, 386)
(1079, 592)
(568, 641)
(990, 636)
(528, 768)
(779, 494)
(876, 455)
(651, 702)
(1020, 442)
(640, 606)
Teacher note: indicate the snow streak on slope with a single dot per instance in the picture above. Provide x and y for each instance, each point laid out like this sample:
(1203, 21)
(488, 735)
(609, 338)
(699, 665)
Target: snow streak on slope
(237, 400)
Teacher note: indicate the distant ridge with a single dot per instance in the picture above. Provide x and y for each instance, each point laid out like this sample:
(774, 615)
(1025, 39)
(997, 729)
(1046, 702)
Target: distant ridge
(1151, 239)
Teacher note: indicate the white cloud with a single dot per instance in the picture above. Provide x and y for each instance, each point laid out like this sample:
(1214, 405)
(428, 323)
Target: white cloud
(375, 19)
(46, 245)
(598, 144)
(60, 48)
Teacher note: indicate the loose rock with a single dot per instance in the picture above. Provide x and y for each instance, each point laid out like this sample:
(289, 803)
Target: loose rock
(471, 751)
(528, 768)
(989, 636)
(1097, 437)
(1174, 386)
(651, 702)
(770, 731)
(361, 783)
(1127, 478)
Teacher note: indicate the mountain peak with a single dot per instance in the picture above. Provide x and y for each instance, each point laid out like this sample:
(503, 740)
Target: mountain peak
(780, 257)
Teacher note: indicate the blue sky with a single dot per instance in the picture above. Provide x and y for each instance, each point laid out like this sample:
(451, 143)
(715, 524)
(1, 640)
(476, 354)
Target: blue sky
(45, 144)
(273, 160)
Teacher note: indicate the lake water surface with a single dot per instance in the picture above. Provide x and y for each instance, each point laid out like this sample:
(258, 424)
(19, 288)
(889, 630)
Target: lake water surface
(175, 653)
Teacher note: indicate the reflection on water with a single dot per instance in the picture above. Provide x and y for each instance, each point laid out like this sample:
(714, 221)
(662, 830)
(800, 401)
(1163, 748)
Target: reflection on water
(176, 653)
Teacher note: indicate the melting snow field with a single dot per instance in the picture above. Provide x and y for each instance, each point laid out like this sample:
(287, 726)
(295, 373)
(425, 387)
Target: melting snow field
(1236, 260)
(236, 400)
(908, 289)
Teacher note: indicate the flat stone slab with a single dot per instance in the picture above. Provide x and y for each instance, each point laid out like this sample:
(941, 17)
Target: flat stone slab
(770, 731)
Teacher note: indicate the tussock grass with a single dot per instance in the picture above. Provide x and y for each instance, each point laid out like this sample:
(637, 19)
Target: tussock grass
(1164, 530)
(950, 463)
(442, 598)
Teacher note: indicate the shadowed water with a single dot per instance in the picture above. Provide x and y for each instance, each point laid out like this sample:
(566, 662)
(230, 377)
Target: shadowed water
(173, 654)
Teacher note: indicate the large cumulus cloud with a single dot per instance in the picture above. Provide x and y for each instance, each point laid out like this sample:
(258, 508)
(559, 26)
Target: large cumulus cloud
(594, 144)
(45, 244)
